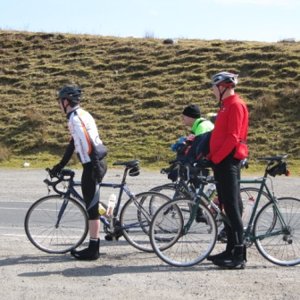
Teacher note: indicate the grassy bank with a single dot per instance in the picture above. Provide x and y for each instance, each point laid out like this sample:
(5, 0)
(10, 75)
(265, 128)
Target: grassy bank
(136, 90)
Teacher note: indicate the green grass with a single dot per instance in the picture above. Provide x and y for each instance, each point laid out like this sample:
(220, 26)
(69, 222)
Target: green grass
(136, 90)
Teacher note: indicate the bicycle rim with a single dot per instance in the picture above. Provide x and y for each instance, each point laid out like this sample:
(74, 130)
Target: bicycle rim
(42, 231)
(250, 194)
(177, 242)
(170, 191)
(278, 243)
(136, 217)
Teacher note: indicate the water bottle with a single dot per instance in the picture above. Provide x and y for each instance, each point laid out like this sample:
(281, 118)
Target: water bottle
(111, 205)
(211, 191)
(248, 210)
(101, 209)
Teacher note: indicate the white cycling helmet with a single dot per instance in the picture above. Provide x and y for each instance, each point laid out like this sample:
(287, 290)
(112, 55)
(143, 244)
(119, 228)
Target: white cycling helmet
(225, 79)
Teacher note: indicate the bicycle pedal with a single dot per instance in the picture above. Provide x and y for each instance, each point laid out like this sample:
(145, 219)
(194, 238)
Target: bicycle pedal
(109, 237)
(201, 219)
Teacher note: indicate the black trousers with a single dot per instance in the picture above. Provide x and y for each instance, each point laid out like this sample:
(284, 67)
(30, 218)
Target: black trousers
(227, 175)
(88, 187)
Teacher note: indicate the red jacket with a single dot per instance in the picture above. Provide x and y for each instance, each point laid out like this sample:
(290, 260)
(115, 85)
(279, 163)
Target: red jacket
(231, 129)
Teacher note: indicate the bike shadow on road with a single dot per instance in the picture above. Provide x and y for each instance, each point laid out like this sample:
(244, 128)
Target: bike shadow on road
(108, 270)
(32, 260)
(113, 260)
(98, 268)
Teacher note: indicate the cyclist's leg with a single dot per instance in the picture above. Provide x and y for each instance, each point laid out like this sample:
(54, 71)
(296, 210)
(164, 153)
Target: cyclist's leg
(227, 175)
(91, 198)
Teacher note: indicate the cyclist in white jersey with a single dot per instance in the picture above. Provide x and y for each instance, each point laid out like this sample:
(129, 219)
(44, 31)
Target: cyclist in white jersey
(85, 141)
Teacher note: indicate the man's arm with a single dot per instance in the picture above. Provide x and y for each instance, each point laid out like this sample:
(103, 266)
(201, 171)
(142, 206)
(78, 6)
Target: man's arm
(65, 159)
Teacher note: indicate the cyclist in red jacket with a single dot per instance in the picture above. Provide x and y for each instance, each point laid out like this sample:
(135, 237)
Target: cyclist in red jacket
(227, 148)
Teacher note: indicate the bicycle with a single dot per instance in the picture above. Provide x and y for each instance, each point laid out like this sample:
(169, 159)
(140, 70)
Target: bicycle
(59, 223)
(178, 189)
(201, 182)
(179, 240)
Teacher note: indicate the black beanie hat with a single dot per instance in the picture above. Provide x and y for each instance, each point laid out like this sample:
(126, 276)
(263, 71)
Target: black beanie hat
(192, 111)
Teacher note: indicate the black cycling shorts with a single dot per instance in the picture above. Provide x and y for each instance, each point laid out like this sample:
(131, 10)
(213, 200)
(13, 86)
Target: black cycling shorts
(88, 187)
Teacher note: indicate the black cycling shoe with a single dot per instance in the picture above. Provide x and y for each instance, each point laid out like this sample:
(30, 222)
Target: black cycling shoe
(237, 261)
(223, 255)
(90, 253)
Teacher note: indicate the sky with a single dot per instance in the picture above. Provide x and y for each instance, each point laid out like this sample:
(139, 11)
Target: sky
(245, 20)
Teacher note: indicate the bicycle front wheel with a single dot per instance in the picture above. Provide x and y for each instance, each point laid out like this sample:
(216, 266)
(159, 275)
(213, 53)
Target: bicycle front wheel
(56, 225)
(136, 217)
(277, 232)
(177, 238)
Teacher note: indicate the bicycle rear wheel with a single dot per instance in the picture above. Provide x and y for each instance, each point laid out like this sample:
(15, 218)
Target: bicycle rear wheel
(170, 190)
(46, 233)
(136, 217)
(250, 194)
(278, 238)
(177, 238)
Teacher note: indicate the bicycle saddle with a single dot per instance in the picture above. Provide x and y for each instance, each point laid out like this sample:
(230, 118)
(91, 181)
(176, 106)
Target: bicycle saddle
(128, 164)
(273, 158)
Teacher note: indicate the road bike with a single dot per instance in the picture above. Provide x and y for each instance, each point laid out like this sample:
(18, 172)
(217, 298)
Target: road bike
(179, 240)
(59, 223)
(184, 185)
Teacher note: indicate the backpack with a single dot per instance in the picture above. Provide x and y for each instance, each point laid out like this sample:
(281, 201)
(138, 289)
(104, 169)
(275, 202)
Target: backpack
(199, 148)
(193, 148)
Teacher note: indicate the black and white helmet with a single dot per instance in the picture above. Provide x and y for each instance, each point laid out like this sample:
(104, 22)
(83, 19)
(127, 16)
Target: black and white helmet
(225, 79)
(70, 92)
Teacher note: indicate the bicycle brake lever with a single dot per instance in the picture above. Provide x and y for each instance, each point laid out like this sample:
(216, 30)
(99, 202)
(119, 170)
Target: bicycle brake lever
(47, 181)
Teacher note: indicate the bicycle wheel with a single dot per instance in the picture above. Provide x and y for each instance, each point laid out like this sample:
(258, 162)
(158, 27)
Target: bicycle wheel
(169, 190)
(177, 238)
(278, 239)
(249, 194)
(136, 217)
(46, 233)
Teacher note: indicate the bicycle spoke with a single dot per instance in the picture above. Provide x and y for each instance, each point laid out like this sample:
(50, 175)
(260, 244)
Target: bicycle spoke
(279, 235)
(41, 221)
(179, 240)
(136, 216)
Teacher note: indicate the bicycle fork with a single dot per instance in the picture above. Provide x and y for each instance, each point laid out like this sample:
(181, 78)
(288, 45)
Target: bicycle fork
(61, 211)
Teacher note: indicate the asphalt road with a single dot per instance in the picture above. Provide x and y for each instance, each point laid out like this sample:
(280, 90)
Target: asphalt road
(20, 188)
(122, 271)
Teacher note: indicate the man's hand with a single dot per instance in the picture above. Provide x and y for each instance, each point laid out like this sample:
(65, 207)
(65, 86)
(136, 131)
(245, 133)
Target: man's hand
(54, 172)
(204, 163)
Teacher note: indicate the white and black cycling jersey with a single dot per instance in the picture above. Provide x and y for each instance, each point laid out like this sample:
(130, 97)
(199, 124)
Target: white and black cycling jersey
(85, 134)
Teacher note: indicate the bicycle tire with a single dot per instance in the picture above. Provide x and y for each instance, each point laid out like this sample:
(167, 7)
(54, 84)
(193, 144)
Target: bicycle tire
(136, 216)
(172, 244)
(40, 224)
(276, 243)
(250, 194)
(169, 190)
